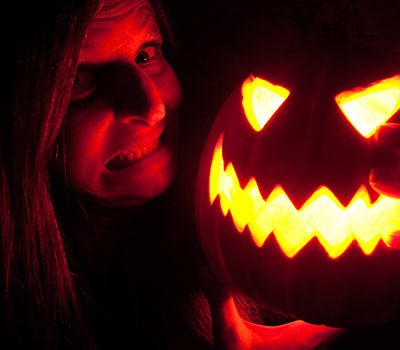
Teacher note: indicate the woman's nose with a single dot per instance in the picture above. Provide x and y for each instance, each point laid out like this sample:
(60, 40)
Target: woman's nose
(136, 97)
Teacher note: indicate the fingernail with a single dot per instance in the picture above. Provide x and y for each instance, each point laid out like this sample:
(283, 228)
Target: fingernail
(381, 176)
(394, 240)
(382, 129)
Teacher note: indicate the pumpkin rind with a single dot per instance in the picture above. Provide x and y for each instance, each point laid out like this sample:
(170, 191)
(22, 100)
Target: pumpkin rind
(307, 144)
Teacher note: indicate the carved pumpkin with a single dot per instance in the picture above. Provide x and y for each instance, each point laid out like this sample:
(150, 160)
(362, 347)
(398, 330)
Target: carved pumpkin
(285, 210)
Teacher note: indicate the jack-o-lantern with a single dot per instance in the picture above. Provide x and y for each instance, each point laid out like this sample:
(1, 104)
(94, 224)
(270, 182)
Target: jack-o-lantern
(284, 206)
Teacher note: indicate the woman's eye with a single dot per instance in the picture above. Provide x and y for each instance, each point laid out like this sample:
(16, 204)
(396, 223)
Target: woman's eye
(84, 85)
(146, 54)
(150, 58)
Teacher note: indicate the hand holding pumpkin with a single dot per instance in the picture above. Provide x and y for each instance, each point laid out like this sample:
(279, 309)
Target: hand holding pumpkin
(387, 180)
(231, 332)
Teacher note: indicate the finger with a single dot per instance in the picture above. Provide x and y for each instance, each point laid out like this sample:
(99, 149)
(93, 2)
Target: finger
(388, 136)
(394, 240)
(385, 181)
(229, 330)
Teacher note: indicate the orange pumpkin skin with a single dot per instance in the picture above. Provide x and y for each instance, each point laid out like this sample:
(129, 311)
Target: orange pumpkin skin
(307, 143)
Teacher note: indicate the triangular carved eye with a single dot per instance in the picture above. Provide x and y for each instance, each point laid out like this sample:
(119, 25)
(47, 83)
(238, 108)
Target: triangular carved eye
(261, 100)
(368, 108)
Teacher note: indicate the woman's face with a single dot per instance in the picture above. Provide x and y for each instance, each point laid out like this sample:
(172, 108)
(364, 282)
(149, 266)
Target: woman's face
(121, 127)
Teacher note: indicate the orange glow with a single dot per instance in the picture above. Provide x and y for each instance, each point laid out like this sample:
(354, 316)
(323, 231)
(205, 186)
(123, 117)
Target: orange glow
(321, 216)
(368, 108)
(261, 100)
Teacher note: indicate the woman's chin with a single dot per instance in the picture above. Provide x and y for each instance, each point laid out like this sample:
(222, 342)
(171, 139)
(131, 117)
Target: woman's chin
(119, 202)
(132, 186)
(126, 201)
(130, 193)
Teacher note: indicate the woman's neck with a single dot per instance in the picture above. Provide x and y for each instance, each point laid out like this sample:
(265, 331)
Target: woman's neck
(98, 235)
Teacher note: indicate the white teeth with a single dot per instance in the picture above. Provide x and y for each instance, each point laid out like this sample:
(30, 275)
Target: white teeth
(138, 153)
(125, 159)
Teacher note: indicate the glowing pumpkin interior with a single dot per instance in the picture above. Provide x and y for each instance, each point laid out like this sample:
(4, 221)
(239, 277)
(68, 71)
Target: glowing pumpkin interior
(261, 100)
(322, 215)
(368, 108)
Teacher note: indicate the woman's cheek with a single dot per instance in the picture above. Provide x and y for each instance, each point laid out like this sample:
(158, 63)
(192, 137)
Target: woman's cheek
(169, 88)
(85, 137)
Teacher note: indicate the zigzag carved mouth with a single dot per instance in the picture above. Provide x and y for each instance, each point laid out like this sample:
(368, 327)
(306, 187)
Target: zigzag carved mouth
(321, 216)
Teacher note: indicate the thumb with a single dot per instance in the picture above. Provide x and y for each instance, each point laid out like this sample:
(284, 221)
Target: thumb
(229, 330)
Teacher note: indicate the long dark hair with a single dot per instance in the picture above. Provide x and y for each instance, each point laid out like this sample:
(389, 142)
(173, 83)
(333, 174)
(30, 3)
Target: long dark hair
(44, 302)
(40, 297)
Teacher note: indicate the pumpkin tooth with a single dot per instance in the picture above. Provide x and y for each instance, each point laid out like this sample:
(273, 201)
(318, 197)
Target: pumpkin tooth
(322, 215)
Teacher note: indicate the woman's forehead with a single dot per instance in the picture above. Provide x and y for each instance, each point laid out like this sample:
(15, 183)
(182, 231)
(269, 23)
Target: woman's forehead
(112, 10)
(121, 26)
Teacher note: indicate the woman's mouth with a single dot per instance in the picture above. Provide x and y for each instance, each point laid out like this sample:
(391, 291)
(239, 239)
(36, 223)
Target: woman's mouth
(129, 157)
